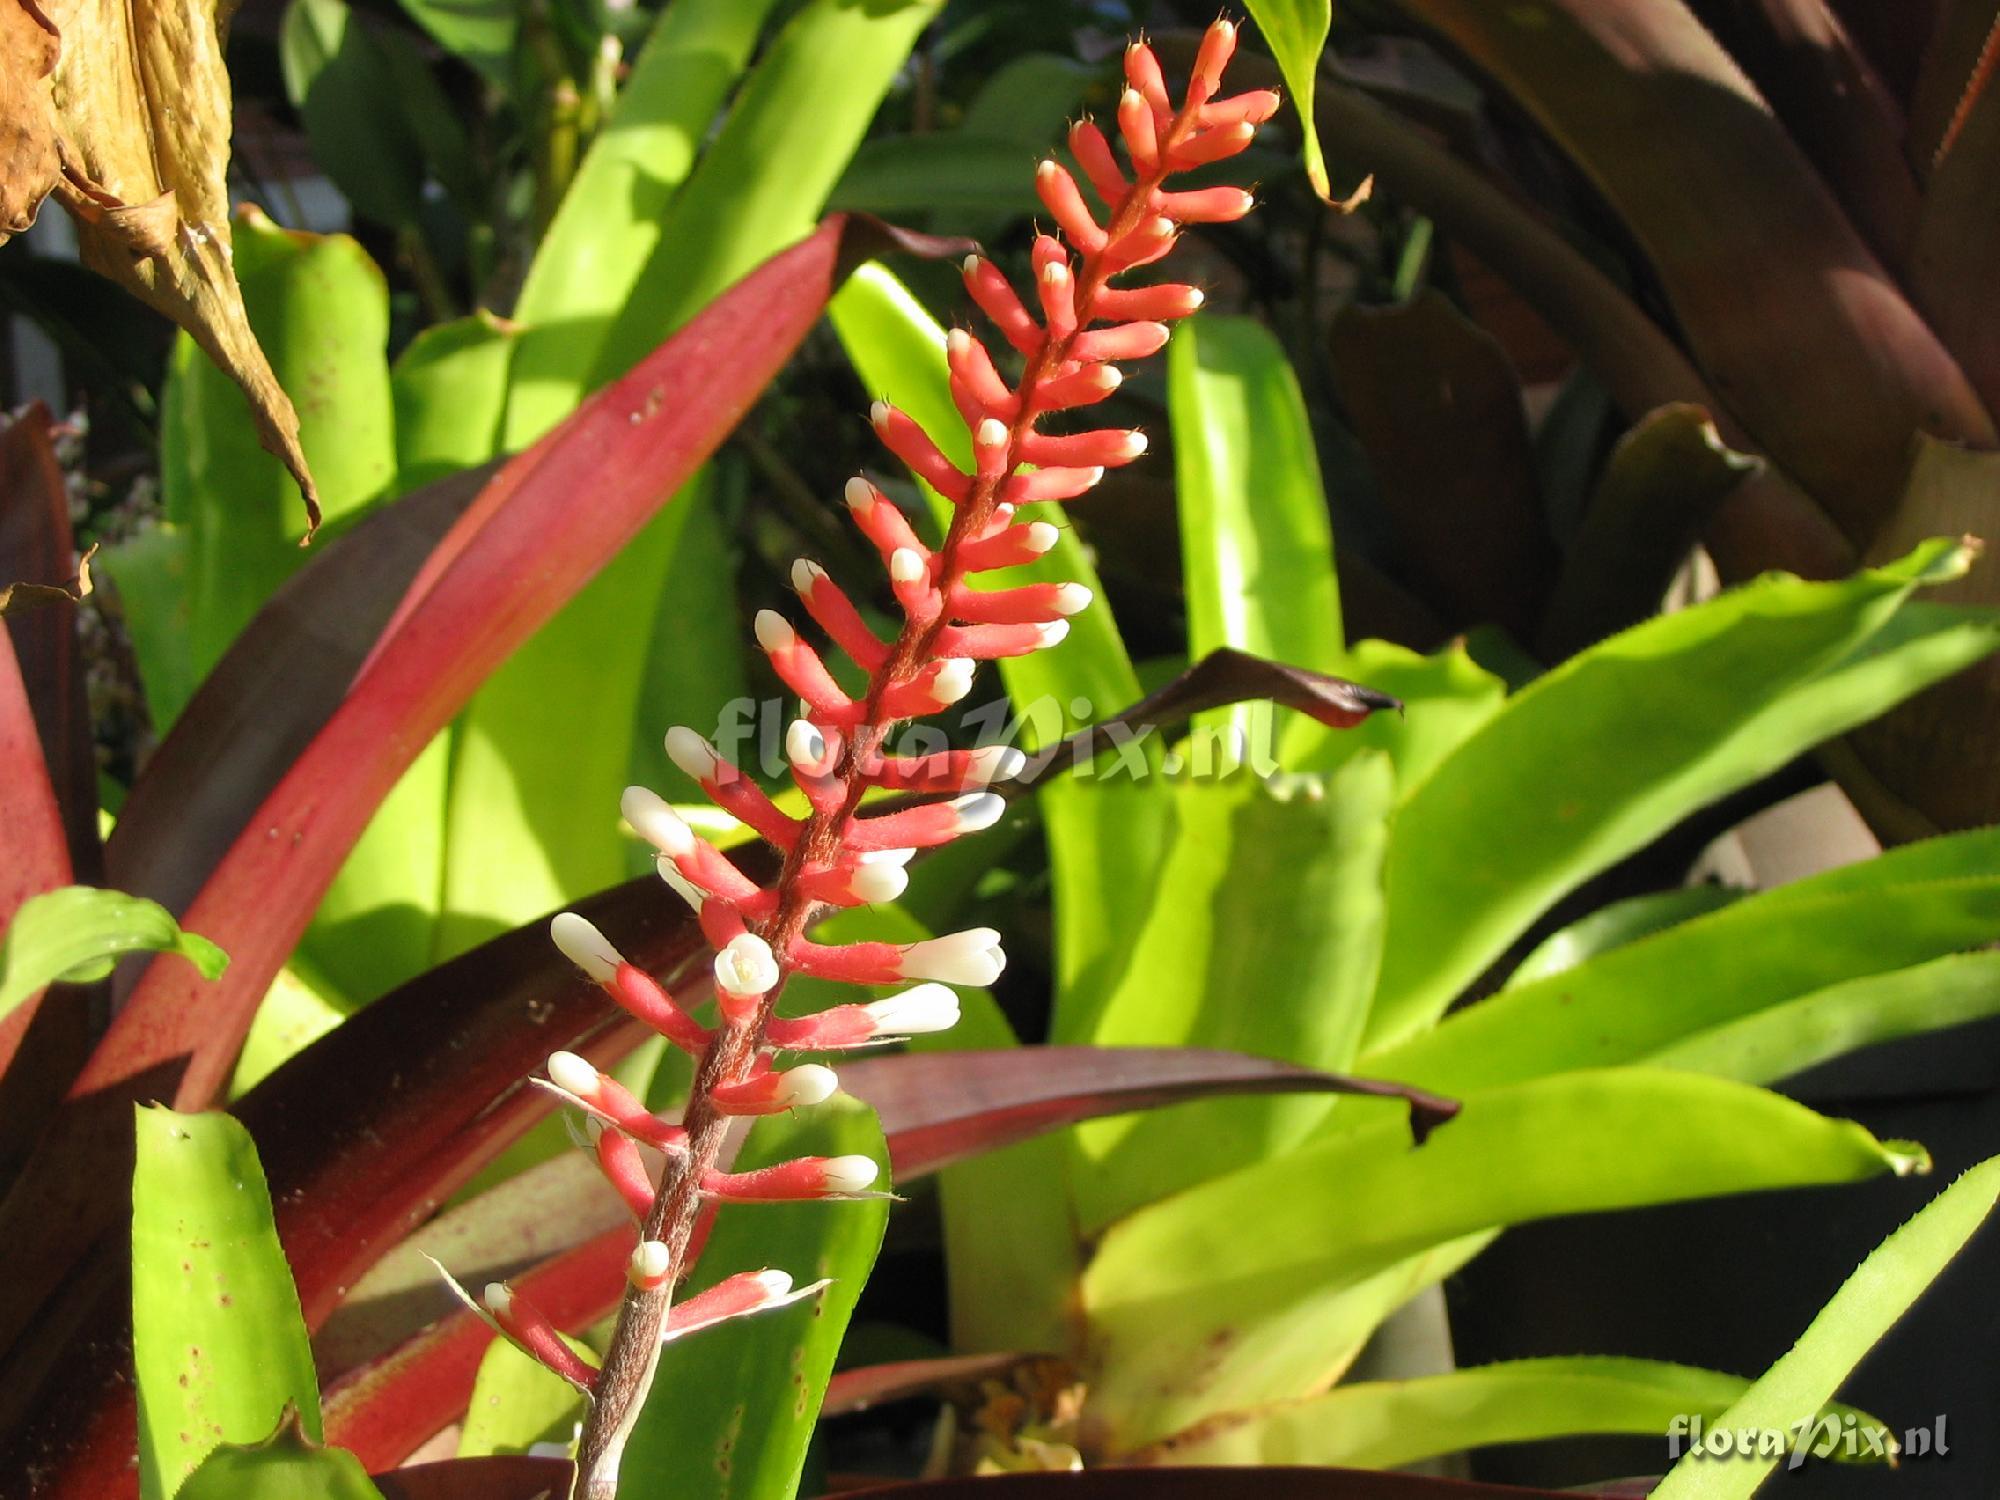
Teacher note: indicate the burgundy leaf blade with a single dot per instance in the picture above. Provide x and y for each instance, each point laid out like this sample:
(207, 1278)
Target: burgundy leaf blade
(1274, 1483)
(508, 1477)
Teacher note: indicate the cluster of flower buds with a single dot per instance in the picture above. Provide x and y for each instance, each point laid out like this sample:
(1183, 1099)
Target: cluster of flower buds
(835, 854)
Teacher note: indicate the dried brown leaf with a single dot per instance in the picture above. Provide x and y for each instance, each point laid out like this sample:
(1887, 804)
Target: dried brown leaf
(122, 111)
(16, 598)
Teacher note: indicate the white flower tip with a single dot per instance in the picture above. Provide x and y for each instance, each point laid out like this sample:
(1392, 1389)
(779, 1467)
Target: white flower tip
(572, 1074)
(1096, 473)
(995, 763)
(686, 889)
(926, 1008)
(806, 1085)
(1132, 98)
(649, 1263)
(1072, 598)
(806, 573)
(774, 631)
(1055, 273)
(971, 957)
(849, 1174)
(978, 810)
(497, 1299)
(954, 678)
(1110, 377)
(958, 341)
(1196, 296)
(887, 856)
(970, 265)
(1051, 633)
(906, 565)
(991, 433)
(1047, 168)
(691, 753)
(860, 495)
(805, 746)
(878, 413)
(655, 822)
(746, 967)
(1134, 444)
(774, 1284)
(876, 884)
(1041, 535)
(583, 945)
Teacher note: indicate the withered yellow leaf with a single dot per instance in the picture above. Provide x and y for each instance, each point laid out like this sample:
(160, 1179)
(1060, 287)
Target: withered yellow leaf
(121, 108)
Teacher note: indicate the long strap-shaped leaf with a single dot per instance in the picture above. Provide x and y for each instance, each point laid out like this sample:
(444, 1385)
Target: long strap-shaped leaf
(935, 1108)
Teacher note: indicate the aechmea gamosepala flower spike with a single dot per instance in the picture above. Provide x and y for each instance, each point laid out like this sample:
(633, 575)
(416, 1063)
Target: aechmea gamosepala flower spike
(1069, 327)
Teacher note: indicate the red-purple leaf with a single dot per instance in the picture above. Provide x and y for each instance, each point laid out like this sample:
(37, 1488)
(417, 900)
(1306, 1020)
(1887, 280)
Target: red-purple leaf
(508, 1477)
(1202, 1484)
(1833, 103)
(940, 1107)
(1774, 289)
(877, 1385)
(1437, 405)
(37, 853)
(35, 543)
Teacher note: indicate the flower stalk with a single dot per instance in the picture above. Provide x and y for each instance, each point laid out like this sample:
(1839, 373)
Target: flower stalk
(1077, 325)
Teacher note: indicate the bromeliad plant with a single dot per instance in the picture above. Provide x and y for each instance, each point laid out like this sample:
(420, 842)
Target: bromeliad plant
(840, 750)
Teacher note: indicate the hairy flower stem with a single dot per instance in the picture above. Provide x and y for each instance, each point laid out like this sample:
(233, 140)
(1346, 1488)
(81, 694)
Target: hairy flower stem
(731, 1057)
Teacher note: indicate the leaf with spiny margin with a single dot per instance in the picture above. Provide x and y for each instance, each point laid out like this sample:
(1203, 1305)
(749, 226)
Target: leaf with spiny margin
(734, 1406)
(1658, 992)
(290, 1466)
(218, 1344)
(75, 934)
(1700, 702)
(1179, 1288)
(1881, 1290)
(1387, 1424)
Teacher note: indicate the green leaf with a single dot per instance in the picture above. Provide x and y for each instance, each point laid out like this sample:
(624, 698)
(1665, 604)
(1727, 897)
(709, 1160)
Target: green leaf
(611, 219)
(1616, 925)
(953, 173)
(1894, 1275)
(1295, 31)
(154, 571)
(517, 1402)
(1030, 99)
(76, 933)
(1699, 703)
(759, 187)
(301, 1006)
(288, 1467)
(1446, 697)
(1631, 1002)
(1262, 935)
(450, 392)
(1191, 1316)
(373, 112)
(733, 1408)
(1256, 544)
(480, 31)
(320, 308)
(1776, 1043)
(1011, 1251)
(1388, 1424)
(218, 1341)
